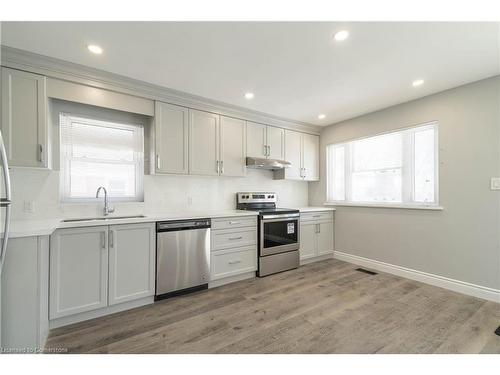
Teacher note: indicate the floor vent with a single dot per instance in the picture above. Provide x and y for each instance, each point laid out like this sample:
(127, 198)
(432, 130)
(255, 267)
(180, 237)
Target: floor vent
(366, 271)
(497, 332)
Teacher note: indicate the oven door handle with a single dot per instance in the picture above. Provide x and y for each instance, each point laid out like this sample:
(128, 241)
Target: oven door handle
(280, 216)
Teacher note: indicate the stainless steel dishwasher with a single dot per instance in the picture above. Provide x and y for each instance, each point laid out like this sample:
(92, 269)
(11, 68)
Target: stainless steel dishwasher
(182, 257)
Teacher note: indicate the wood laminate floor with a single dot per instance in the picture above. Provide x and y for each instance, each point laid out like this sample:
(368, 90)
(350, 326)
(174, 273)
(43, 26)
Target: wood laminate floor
(324, 307)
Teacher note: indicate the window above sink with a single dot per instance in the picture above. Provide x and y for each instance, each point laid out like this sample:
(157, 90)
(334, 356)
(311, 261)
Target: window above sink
(100, 153)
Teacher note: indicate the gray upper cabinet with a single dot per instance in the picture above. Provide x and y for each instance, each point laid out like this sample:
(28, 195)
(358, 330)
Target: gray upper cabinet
(203, 143)
(275, 141)
(171, 138)
(265, 141)
(24, 118)
(310, 157)
(256, 140)
(302, 150)
(232, 147)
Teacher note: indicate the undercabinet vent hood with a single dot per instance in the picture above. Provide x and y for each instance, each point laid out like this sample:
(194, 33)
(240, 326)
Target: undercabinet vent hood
(271, 164)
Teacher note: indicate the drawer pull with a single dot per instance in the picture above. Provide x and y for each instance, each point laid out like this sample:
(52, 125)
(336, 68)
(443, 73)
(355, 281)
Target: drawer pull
(316, 215)
(234, 261)
(234, 222)
(235, 238)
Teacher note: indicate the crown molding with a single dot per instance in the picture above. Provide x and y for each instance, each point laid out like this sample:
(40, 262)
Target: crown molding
(68, 71)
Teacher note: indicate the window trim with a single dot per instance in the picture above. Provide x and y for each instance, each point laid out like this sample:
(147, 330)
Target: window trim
(64, 185)
(405, 205)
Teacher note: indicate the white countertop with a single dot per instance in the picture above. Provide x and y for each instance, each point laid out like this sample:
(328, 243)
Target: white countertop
(315, 209)
(45, 227)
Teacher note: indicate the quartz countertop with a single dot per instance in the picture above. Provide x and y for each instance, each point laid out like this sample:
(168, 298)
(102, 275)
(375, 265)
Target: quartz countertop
(45, 227)
(315, 209)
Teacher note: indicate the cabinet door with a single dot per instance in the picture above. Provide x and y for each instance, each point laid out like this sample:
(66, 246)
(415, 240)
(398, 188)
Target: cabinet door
(232, 146)
(171, 133)
(256, 140)
(131, 262)
(24, 118)
(78, 270)
(293, 152)
(275, 141)
(203, 143)
(310, 152)
(325, 238)
(308, 240)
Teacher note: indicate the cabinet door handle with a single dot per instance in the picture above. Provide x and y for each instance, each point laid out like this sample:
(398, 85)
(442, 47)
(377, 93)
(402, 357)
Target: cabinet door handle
(234, 222)
(40, 153)
(268, 150)
(158, 162)
(319, 228)
(217, 168)
(235, 238)
(305, 172)
(111, 238)
(265, 150)
(103, 240)
(234, 261)
(222, 167)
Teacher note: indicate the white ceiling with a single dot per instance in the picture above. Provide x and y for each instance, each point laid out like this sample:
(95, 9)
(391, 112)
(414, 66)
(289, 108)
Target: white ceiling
(295, 69)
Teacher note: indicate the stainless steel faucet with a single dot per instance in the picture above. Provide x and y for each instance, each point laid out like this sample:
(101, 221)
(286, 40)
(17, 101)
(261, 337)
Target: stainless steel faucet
(107, 210)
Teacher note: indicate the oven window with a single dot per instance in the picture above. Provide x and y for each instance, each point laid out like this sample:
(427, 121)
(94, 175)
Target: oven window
(280, 233)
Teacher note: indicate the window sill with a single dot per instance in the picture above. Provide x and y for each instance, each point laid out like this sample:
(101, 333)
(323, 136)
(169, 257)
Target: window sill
(381, 205)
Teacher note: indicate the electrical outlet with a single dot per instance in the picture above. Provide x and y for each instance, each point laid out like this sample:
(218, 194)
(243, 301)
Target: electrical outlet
(29, 206)
(495, 183)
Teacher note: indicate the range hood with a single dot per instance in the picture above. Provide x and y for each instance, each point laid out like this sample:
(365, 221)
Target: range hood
(270, 164)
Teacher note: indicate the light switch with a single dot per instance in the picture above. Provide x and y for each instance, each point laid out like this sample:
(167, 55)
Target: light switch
(495, 183)
(29, 206)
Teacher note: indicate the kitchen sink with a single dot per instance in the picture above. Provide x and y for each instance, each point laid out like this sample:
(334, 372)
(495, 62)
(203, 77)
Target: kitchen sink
(103, 218)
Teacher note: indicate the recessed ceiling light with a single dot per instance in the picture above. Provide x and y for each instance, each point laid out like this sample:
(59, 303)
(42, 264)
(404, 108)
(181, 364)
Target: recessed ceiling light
(249, 95)
(341, 35)
(417, 82)
(321, 116)
(94, 49)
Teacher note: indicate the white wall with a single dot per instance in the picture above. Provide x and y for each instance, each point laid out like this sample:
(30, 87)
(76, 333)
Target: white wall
(161, 194)
(460, 242)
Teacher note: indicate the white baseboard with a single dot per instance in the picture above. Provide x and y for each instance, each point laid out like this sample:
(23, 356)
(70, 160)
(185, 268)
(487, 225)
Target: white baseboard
(231, 279)
(463, 287)
(76, 318)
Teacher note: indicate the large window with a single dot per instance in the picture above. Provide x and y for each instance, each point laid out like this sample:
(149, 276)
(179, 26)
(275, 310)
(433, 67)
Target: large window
(100, 153)
(397, 168)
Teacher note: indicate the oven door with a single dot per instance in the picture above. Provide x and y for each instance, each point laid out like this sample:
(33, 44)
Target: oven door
(279, 234)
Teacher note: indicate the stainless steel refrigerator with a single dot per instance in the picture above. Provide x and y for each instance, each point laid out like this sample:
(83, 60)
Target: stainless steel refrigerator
(5, 201)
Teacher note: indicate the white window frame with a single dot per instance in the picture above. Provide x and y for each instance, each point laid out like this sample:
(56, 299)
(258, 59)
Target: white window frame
(65, 186)
(408, 188)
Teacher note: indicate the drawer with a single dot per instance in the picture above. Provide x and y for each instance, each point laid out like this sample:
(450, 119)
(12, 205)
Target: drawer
(234, 222)
(233, 262)
(224, 239)
(315, 216)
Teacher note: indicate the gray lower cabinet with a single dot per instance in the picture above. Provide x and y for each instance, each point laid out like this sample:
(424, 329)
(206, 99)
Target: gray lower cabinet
(316, 235)
(97, 267)
(131, 262)
(78, 270)
(24, 118)
(24, 295)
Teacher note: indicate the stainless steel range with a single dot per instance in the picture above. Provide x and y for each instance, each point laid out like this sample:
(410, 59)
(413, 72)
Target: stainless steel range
(279, 237)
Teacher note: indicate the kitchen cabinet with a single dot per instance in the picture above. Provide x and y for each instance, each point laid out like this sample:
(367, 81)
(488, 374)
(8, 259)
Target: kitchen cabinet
(265, 141)
(203, 143)
(310, 157)
(302, 150)
(232, 147)
(24, 293)
(24, 118)
(92, 268)
(316, 235)
(131, 262)
(233, 253)
(171, 138)
(78, 270)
